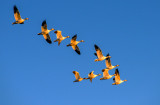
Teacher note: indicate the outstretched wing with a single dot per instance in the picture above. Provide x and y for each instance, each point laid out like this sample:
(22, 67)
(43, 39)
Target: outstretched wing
(91, 74)
(16, 13)
(98, 51)
(117, 76)
(44, 26)
(59, 42)
(90, 79)
(105, 73)
(47, 38)
(76, 48)
(95, 54)
(74, 37)
(108, 61)
(77, 76)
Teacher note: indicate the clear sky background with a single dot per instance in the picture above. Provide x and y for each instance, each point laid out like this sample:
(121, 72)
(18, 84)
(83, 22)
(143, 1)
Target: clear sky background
(33, 72)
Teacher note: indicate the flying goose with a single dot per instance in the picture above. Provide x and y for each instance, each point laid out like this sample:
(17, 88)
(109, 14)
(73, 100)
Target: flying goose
(59, 37)
(45, 32)
(74, 43)
(77, 76)
(99, 54)
(17, 16)
(117, 79)
(108, 63)
(91, 76)
(106, 74)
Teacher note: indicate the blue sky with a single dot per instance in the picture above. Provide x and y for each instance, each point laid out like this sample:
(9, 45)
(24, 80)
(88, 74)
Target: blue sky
(33, 72)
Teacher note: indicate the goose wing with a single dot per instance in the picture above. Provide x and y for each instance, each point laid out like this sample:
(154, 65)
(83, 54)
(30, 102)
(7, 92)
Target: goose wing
(117, 76)
(47, 38)
(44, 26)
(16, 14)
(76, 48)
(105, 73)
(74, 38)
(77, 76)
(91, 74)
(108, 61)
(59, 42)
(98, 51)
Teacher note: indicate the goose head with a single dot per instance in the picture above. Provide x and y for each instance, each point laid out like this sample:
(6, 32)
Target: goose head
(108, 56)
(96, 60)
(125, 80)
(52, 29)
(82, 41)
(68, 36)
(98, 74)
(26, 18)
(117, 65)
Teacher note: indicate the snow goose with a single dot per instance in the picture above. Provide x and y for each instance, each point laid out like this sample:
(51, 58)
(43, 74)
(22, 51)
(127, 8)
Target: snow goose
(99, 54)
(17, 16)
(91, 76)
(74, 43)
(77, 76)
(45, 32)
(59, 37)
(106, 75)
(108, 63)
(117, 79)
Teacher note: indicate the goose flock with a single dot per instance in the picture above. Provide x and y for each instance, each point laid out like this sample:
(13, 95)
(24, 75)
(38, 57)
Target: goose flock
(74, 44)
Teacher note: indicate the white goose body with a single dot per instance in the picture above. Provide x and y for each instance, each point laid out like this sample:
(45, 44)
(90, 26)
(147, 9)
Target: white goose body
(109, 66)
(106, 75)
(91, 76)
(59, 37)
(117, 79)
(77, 76)
(17, 17)
(74, 43)
(99, 54)
(45, 32)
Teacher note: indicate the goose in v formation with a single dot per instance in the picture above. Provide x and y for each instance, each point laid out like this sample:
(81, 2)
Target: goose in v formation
(91, 76)
(77, 76)
(17, 16)
(59, 37)
(45, 32)
(117, 79)
(106, 75)
(74, 43)
(99, 54)
(109, 66)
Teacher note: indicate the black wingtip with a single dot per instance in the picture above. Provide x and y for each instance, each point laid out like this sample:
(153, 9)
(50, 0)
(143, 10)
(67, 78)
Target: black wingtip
(44, 22)
(96, 47)
(116, 71)
(74, 36)
(78, 52)
(15, 8)
(95, 54)
(49, 41)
